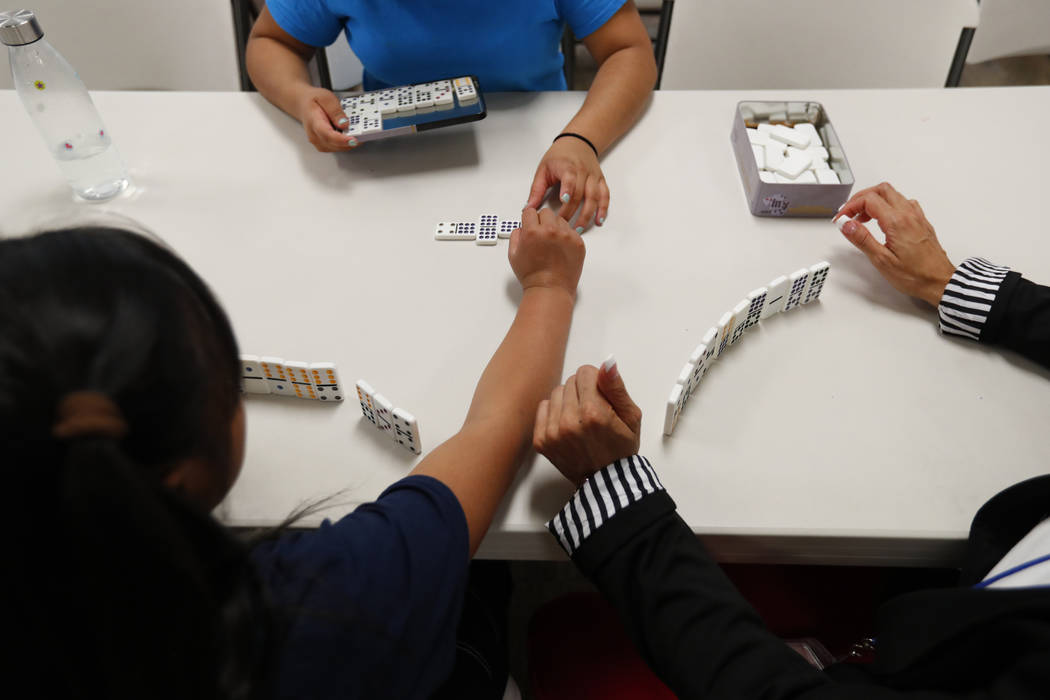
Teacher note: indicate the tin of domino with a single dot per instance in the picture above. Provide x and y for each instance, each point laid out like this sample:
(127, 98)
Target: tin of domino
(756, 303)
(817, 275)
(252, 379)
(797, 287)
(301, 383)
(326, 382)
(508, 226)
(406, 431)
(674, 408)
(487, 229)
(739, 316)
(776, 295)
(725, 328)
(365, 392)
(383, 409)
(276, 375)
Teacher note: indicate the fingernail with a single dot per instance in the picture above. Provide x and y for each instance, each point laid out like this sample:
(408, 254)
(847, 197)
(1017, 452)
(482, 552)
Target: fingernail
(343, 121)
(351, 141)
(565, 198)
(609, 366)
(525, 206)
(579, 229)
(601, 220)
(850, 227)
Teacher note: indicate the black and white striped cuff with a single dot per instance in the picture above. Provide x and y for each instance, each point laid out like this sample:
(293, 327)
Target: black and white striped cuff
(604, 494)
(969, 296)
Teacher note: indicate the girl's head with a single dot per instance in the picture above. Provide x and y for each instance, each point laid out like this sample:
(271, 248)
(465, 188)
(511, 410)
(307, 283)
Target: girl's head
(127, 585)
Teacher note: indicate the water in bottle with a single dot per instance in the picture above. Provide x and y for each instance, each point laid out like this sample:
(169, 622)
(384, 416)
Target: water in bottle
(60, 106)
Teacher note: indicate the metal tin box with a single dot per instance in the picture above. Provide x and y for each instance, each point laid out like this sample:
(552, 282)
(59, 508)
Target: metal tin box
(789, 199)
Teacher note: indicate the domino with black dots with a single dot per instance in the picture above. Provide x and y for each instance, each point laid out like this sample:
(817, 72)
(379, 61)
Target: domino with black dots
(487, 229)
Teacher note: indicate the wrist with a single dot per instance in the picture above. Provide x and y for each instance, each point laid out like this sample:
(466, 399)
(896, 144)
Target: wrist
(935, 289)
(548, 291)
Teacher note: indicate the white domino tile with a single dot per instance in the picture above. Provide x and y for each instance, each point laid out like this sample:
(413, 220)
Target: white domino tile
(365, 394)
(252, 379)
(793, 166)
(760, 156)
(809, 130)
(756, 303)
(776, 296)
(710, 341)
(827, 176)
(325, 378)
(725, 329)
(372, 125)
(276, 375)
(406, 100)
(456, 231)
(698, 361)
(424, 97)
(384, 414)
(302, 385)
(796, 288)
(817, 275)
(674, 408)
(507, 227)
(774, 155)
(406, 430)
(465, 92)
(792, 137)
(487, 229)
(739, 318)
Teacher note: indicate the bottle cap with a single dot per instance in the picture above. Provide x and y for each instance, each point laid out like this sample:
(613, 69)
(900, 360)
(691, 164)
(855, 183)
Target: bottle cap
(19, 27)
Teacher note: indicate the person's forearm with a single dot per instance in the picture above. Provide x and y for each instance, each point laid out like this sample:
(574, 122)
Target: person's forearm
(616, 98)
(479, 462)
(278, 72)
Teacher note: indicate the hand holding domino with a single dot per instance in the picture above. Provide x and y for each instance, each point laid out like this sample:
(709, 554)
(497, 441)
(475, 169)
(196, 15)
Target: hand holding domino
(322, 118)
(546, 253)
(912, 259)
(587, 423)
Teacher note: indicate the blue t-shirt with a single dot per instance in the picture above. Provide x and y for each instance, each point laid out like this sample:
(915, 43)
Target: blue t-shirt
(507, 44)
(373, 601)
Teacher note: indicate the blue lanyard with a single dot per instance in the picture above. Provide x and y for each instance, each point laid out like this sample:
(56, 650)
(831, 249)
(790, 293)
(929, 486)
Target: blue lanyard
(1014, 570)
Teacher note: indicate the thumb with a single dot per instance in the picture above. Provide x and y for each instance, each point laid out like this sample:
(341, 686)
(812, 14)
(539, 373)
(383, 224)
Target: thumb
(610, 383)
(857, 234)
(330, 104)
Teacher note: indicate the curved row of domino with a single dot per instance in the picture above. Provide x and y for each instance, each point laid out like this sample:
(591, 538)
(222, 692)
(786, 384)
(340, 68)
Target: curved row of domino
(782, 294)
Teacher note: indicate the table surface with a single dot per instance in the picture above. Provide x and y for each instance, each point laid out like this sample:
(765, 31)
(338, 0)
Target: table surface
(847, 431)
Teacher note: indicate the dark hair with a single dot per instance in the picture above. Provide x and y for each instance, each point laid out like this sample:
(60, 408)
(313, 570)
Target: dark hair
(121, 586)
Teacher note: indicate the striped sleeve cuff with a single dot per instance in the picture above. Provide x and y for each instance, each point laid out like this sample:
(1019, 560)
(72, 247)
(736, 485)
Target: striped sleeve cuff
(968, 298)
(604, 494)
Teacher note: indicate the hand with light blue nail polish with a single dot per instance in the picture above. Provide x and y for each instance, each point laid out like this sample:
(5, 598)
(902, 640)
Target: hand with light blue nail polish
(323, 120)
(572, 166)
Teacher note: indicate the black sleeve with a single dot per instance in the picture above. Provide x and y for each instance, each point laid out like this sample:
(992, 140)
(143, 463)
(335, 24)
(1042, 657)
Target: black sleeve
(991, 304)
(690, 624)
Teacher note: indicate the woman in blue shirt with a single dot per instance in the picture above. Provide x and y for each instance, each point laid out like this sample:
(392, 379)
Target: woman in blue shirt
(509, 45)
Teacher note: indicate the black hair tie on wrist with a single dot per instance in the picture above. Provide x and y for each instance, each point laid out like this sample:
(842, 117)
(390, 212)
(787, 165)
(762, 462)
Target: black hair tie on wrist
(581, 138)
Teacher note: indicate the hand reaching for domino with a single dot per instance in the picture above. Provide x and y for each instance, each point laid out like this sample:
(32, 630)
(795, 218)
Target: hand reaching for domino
(912, 259)
(546, 253)
(571, 164)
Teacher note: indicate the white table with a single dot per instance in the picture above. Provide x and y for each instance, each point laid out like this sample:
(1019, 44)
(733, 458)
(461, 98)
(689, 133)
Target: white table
(845, 432)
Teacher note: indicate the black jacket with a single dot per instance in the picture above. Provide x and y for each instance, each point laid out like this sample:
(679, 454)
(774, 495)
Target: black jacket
(703, 639)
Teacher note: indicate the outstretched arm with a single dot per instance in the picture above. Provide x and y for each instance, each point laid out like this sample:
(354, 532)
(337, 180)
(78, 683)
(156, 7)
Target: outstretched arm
(479, 462)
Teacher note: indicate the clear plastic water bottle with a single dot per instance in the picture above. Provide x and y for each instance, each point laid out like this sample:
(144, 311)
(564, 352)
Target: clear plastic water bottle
(60, 106)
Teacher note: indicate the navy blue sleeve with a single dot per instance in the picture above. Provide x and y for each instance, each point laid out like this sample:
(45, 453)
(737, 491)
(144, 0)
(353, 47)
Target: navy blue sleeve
(372, 602)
